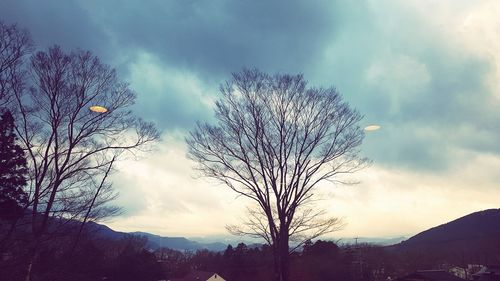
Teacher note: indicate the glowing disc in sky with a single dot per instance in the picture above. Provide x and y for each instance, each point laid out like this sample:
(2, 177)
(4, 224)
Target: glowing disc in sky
(371, 128)
(98, 109)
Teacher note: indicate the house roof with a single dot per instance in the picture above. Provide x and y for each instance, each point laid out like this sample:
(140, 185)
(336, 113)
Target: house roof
(431, 275)
(196, 275)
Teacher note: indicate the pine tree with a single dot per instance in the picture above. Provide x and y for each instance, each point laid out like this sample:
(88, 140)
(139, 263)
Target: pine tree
(13, 171)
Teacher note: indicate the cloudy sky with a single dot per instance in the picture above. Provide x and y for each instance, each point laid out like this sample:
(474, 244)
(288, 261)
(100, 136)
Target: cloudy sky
(426, 71)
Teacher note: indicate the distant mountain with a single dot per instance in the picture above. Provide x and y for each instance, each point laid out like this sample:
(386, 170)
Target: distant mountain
(155, 241)
(178, 243)
(104, 231)
(478, 232)
(478, 225)
(193, 244)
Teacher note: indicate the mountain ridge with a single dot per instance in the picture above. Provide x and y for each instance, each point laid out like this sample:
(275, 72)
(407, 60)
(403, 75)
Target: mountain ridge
(474, 236)
(471, 229)
(477, 225)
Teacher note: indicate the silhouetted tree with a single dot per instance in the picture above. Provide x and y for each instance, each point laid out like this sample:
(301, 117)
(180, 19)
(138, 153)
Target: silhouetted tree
(73, 123)
(133, 265)
(175, 264)
(13, 171)
(324, 260)
(13, 199)
(244, 263)
(274, 142)
(229, 252)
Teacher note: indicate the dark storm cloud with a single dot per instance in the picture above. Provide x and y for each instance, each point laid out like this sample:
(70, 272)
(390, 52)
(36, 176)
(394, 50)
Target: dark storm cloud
(387, 60)
(56, 22)
(175, 100)
(209, 39)
(221, 36)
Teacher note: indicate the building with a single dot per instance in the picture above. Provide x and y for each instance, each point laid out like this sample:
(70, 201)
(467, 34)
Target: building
(459, 272)
(197, 275)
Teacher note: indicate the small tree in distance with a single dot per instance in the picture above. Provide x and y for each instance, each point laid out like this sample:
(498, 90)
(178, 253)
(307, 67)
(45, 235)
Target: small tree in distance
(275, 141)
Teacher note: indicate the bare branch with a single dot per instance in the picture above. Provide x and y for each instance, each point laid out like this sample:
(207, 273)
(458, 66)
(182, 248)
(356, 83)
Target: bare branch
(70, 148)
(15, 45)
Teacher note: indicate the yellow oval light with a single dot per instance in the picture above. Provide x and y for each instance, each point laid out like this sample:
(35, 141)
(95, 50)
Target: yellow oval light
(371, 128)
(98, 109)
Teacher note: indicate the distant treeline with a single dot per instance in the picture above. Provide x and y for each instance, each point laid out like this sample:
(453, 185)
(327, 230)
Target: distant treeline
(99, 258)
(96, 257)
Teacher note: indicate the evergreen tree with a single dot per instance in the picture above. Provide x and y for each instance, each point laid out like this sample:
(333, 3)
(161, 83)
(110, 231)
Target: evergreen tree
(12, 171)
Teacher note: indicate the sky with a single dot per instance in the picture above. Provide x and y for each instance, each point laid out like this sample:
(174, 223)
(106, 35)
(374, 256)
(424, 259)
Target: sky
(426, 71)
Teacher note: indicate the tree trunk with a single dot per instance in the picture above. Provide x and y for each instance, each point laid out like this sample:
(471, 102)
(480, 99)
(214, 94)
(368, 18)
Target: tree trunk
(28, 272)
(281, 258)
(276, 260)
(31, 261)
(37, 239)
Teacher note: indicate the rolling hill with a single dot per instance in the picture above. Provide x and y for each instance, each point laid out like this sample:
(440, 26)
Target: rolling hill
(475, 226)
(473, 235)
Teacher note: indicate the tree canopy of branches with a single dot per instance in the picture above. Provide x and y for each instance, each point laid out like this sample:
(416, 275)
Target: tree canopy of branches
(13, 171)
(275, 140)
(70, 148)
(15, 44)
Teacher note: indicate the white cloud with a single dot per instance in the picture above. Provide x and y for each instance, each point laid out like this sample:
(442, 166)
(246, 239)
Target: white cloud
(465, 27)
(173, 201)
(479, 31)
(392, 202)
(401, 77)
(387, 202)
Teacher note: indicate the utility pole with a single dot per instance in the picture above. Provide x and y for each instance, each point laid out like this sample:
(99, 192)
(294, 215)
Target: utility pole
(358, 268)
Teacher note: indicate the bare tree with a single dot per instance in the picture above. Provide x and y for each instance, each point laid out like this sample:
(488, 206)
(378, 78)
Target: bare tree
(74, 122)
(308, 224)
(15, 44)
(275, 141)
